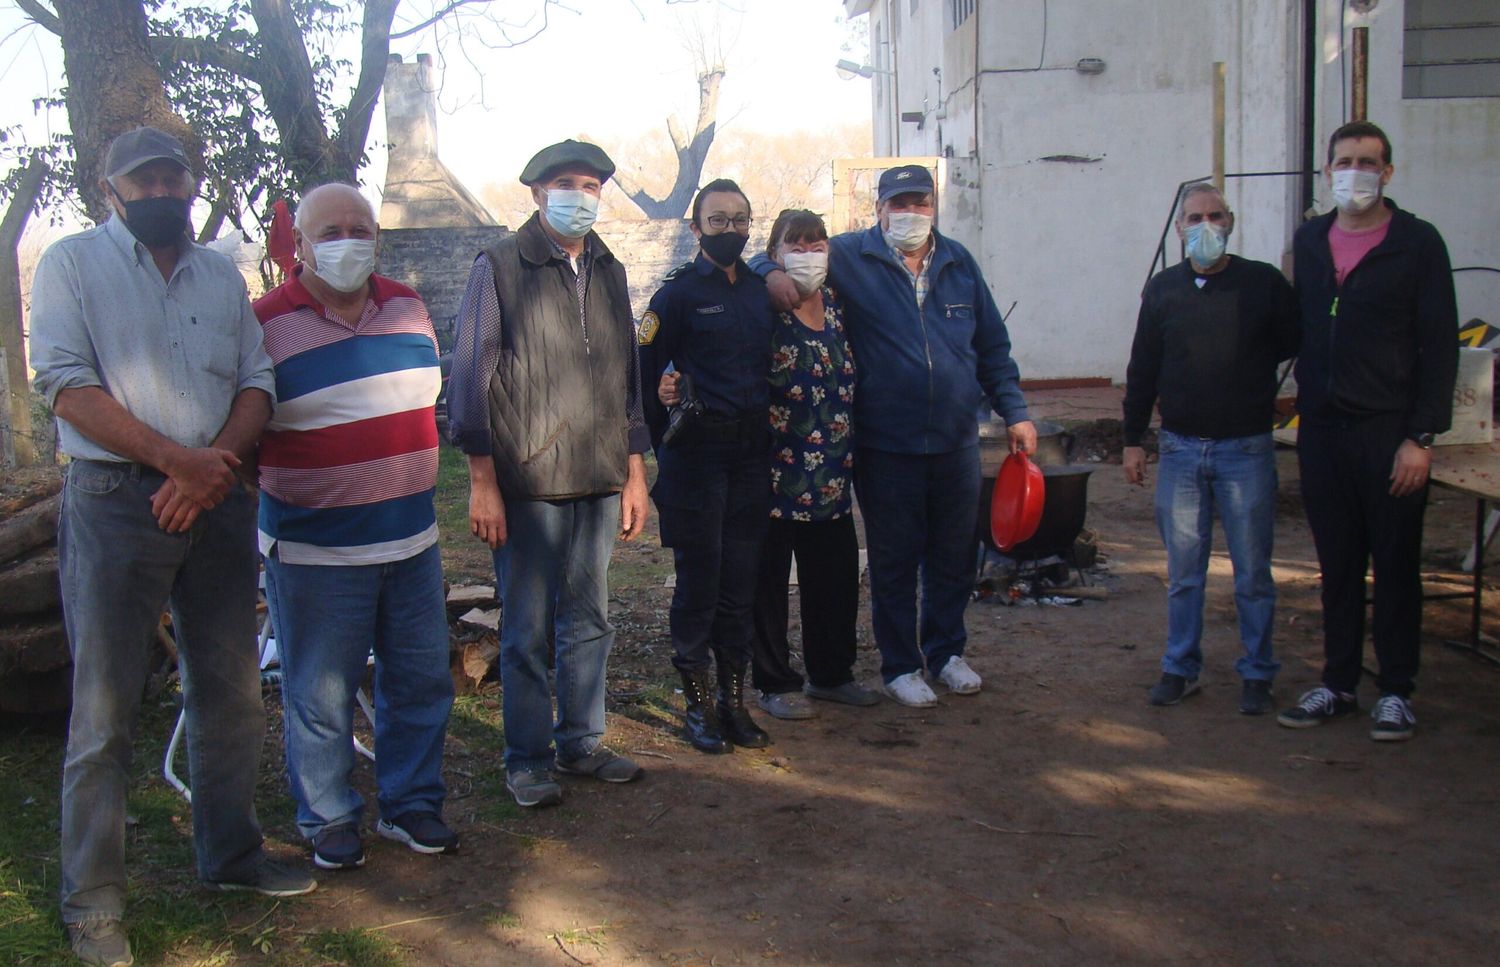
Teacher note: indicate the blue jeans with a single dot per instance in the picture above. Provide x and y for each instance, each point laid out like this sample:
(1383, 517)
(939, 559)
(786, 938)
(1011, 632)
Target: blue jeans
(328, 619)
(919, 512)
(118, 568)
(1238, 476)
(553, 578)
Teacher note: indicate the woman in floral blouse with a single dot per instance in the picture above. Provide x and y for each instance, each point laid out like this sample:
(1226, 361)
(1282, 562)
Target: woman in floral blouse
(812, 475)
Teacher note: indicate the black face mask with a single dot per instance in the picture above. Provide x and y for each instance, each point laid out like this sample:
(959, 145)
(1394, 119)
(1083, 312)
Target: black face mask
(157, 222)
(725, 247)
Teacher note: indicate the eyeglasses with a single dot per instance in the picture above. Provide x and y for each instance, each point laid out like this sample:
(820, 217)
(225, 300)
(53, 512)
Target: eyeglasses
(719, 222)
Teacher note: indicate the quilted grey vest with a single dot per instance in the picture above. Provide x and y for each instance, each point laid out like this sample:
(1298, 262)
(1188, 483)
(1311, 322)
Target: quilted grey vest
(558, 423)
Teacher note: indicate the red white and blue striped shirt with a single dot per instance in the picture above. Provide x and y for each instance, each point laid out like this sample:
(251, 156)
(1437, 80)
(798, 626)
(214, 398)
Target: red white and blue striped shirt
(348, 463)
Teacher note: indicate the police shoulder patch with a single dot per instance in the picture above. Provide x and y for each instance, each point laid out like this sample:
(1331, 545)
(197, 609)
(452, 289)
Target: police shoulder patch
(649, 326)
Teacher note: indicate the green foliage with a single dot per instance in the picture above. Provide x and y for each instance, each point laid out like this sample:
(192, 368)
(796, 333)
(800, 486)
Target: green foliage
(357, 948)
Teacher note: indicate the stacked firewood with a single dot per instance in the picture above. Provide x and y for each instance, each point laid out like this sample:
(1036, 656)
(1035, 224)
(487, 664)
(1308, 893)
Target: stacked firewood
(35, 667)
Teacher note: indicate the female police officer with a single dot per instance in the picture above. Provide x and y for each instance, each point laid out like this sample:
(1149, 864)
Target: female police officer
(711, 322)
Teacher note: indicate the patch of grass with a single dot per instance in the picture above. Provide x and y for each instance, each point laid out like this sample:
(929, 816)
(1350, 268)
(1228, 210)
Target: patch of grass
(477, 721)
(357, 948)
(168, 915)
(465, 559)
(503, 920)
(657, 704)
(593, 936)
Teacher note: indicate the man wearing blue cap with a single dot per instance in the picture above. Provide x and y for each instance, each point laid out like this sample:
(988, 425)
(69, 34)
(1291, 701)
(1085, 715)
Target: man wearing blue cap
(931, 346)
(545, 399)
(146, 347)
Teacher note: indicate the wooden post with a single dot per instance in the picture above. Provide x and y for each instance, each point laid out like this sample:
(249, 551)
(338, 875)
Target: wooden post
(1219, 71)
(18, 404)
(1359, 81)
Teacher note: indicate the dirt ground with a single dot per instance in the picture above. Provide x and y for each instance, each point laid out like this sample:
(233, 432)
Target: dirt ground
(1054, 818)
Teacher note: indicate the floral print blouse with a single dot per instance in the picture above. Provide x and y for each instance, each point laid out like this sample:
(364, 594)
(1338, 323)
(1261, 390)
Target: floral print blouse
(812, 406)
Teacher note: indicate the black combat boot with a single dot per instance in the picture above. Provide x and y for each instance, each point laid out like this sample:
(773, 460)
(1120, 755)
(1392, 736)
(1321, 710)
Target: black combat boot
(701, 721)
(737, 724)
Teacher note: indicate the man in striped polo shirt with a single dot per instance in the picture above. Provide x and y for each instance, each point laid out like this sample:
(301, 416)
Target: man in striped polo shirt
(348, 467)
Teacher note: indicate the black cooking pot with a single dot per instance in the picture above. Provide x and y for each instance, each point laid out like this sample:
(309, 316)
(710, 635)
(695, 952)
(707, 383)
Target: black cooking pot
(1064, 509)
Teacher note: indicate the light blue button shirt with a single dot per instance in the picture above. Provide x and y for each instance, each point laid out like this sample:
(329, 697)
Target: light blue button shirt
(173, 352)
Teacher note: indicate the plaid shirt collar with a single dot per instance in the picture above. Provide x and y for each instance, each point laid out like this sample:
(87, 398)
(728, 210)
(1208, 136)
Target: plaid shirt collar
(919, 277)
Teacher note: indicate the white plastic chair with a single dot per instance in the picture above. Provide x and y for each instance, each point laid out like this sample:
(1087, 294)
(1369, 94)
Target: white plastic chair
(266, 642)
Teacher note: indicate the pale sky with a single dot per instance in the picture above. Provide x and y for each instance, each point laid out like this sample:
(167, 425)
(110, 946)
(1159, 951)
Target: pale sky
(612, 68)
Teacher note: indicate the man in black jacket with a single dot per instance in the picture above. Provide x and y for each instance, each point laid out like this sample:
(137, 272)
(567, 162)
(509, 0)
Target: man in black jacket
(1210, 333)
(1375, 384)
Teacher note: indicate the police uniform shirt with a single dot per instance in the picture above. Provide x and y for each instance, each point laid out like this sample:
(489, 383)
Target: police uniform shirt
(717, 332)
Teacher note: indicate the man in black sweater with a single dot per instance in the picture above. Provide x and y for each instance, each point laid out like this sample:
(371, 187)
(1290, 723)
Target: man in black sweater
(1375, 384)
(1210, 333)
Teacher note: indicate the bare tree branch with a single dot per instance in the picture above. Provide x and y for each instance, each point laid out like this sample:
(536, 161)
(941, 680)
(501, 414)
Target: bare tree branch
(445, 11)
(44, 18)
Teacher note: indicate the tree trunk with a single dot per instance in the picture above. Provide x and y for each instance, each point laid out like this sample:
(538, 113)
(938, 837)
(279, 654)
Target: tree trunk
(19, 448)
(113, 85)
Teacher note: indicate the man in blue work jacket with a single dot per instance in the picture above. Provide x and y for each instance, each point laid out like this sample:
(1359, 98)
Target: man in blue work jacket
(931, 347)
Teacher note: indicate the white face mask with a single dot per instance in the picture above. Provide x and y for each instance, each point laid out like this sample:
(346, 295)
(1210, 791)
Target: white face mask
(908, 231)
(571, 212)
(807, 269)
(346, 263)
(1205, 243)
(1355, 190)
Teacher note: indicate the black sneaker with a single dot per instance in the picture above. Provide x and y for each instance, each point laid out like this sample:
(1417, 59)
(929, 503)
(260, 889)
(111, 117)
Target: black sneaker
(422, 831)
(1393, 720)
(338, 848)
(1317, 706)
(1255, 697)
(1172, 689)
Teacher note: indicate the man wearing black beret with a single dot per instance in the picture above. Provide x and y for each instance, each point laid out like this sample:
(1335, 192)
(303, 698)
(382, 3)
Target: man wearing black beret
(545, 399)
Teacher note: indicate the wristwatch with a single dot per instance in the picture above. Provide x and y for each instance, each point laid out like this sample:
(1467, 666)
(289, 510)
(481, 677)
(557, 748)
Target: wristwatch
(1423, 440)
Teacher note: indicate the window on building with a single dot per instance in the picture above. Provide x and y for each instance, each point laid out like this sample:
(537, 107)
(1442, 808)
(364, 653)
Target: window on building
(913, 6)
(1452, 49)
(959, 11)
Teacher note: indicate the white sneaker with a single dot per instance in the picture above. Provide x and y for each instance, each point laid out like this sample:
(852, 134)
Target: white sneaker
(911, 690)
(959, 677)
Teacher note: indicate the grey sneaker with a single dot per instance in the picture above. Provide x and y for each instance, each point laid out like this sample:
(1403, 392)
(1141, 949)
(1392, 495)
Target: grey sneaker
(849, 693)
(533, 787)
(1172, 689)
(1393, 720)
(786, 705)
(270, 878)
(604, 764)
(100, 943)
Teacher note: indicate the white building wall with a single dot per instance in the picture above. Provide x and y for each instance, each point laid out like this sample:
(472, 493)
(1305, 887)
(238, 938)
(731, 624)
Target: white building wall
(1070, 239)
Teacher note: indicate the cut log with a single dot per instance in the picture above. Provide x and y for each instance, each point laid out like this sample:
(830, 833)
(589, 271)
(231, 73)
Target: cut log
(33, 648)
(34, 527)
(31, 492)
(37, 693)
(482, 618)
(30, 586)
(464, 597)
